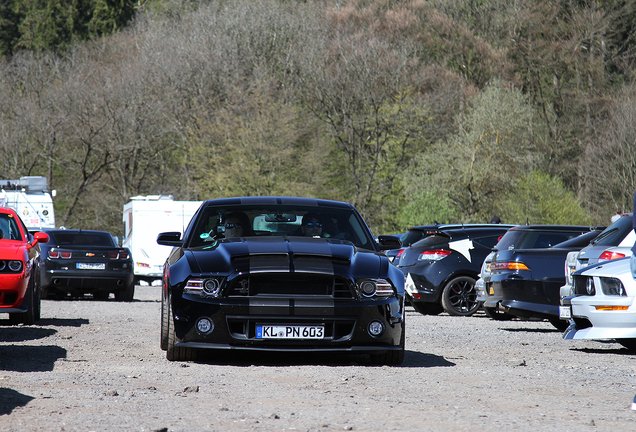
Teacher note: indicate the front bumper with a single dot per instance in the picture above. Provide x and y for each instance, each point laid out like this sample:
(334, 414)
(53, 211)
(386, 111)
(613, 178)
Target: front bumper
(588, 322)
(346, 323)
(13, 289)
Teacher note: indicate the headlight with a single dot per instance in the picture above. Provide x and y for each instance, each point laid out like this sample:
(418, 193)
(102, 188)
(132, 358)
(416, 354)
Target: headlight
(612, 287)
(15, 265)
(375, 287)
(210, 287)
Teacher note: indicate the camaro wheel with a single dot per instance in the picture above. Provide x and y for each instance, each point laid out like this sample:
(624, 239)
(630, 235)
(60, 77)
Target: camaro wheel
(126, 294)
(459, 297)
(497, 315)
(629, 343)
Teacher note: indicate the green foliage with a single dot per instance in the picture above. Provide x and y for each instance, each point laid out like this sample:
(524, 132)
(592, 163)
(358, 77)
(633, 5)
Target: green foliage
(424, 207)
(539, 198)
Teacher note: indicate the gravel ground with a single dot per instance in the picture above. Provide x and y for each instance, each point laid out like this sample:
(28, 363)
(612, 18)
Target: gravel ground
(97, 366)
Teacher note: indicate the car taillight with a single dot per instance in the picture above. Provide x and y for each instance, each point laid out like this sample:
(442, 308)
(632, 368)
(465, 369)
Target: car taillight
(54, 254)
(608, 255)
(434, 255)
(514, 265)
(118, 255)
(65, 255)
(400, 253)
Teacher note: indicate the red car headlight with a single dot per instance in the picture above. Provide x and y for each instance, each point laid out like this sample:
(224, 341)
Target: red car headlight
(15, 265)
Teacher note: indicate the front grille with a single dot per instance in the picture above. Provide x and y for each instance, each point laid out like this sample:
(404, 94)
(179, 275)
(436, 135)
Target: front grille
(290, 284)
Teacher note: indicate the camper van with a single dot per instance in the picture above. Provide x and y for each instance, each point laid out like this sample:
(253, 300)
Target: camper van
(144, 218)
(30, 198)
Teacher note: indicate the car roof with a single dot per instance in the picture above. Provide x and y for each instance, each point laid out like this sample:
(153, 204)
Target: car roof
(7, 210)
(556, 228)
(448, 227)
(277, 200)
(74, 231)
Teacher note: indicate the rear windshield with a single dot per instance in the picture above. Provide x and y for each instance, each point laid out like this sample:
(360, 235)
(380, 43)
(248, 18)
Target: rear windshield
(82, 239)
(412, 236)
(533, 239)
(615, 233)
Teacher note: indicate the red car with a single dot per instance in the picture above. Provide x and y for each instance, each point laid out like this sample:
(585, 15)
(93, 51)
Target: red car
(19, 287)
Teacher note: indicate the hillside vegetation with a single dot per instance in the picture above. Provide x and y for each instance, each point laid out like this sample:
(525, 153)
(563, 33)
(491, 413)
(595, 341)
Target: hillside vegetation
(414, 111)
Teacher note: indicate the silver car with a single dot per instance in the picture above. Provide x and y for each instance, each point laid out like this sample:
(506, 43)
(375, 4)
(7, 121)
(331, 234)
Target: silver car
(603, 304)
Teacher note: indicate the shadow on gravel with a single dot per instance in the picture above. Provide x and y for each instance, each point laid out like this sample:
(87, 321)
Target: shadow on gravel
(531, 330)
(19, 358)
(11, 399)
(21, 334)
(61, 322)
(243, 358)
(617, 350)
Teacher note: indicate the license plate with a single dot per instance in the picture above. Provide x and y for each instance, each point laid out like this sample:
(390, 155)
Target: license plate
(91, 266)
(289, 332)
(565, 312)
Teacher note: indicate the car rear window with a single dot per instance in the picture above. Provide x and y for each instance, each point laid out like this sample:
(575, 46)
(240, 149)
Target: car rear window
(82, 239)
(615, 233)
(412, 236)
(533, 239)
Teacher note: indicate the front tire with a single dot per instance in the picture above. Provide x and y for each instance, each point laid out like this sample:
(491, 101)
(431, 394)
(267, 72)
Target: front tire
(28, 317)
(165, 323)
(175, 353)
(393, 357)
(459, 297)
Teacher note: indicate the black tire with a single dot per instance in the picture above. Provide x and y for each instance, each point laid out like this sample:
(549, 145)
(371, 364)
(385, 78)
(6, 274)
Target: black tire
(459, 297)
(559, 324)
(165, 323)
(174, 353)
(427, 308)
(629, 343)
(126, 294)
(393, 357)
(27, 317)
(497, 315)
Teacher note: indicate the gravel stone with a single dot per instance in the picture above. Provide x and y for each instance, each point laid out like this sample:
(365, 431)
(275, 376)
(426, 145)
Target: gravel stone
(96, 366)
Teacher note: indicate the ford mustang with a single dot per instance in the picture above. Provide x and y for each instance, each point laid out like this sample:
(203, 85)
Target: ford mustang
(19, 284)
(281, 274)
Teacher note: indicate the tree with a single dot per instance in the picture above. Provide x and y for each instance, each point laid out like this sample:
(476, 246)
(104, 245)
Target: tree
(491, 149)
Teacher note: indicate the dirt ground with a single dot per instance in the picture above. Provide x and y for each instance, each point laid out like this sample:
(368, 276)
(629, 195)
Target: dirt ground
(97, 366)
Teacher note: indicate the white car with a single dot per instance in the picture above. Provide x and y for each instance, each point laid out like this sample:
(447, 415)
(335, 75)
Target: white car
(614, 242)
(603, 304)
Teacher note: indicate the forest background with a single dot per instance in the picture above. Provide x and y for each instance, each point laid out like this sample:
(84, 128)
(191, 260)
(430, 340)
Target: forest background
(414, 111)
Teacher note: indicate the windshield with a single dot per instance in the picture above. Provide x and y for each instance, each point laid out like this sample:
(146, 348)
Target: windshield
(245, 221)
(66, 238)
(9, 228)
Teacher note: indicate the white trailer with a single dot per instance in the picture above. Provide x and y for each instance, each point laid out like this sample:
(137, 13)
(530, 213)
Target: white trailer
(144, 218)
(30, 198)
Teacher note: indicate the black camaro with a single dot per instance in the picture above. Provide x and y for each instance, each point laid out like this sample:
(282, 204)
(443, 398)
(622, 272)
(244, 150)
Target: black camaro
(281, 274)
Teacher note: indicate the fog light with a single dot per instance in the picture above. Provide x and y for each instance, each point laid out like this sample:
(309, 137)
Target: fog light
(205, 326)
(376, 328)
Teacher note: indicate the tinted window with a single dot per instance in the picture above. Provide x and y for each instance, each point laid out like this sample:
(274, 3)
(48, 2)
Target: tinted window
(533, 239)
(489, 242)
(411, 237)
(615, 233)
(82, 239)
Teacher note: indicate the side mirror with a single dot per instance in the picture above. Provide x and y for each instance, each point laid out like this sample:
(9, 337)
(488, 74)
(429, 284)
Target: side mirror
(40, 237)
(170, 239)
(389, 242)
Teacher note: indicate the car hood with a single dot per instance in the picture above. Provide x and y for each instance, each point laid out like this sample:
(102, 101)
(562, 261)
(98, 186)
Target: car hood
(12, 249)
(613, 268)
(286, 254)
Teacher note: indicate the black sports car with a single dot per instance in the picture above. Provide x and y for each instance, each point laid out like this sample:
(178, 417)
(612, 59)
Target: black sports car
(281, 274)
(78, 262)
(442, 266)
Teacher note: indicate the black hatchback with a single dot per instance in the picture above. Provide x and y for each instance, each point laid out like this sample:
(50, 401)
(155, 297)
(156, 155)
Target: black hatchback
(442, 267)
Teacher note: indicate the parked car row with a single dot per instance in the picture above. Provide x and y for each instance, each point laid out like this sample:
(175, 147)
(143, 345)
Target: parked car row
(57, 263)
